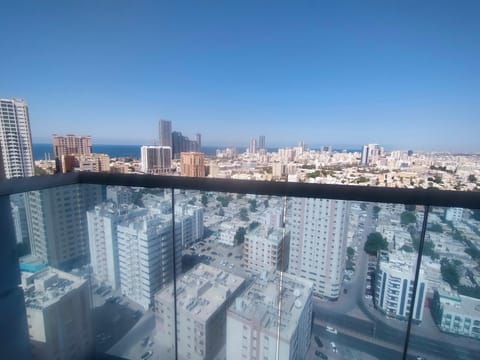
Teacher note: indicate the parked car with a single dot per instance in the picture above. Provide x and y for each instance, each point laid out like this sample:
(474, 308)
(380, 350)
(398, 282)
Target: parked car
(331, 330)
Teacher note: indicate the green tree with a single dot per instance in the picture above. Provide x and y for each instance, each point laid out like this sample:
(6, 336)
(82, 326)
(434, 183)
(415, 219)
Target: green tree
(408, 217)
(240, 235)
(375, 242)
(244, 214)
(449, 270)
(221, 212)
(253, 225)
(350, 251)
(253, 205)
(435, 228)
(472, 178)
(204, 199)
(376, 210)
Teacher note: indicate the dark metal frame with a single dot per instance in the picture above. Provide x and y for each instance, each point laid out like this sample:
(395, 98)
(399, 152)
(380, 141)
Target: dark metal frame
(443, 198)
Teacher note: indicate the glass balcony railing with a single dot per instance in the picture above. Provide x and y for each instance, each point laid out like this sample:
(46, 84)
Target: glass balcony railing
(144, 267)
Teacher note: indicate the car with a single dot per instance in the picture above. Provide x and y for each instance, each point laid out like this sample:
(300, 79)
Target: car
(321, 355)
(147, 355)
(229, 254)
(345, 291)
(334, 347)
(331, 330)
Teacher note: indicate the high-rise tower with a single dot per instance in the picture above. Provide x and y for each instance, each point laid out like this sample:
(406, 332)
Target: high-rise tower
(15, 139)
(318, 243)
(165, 133)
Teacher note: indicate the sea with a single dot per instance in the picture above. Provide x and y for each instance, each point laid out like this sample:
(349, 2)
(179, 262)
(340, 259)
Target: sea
(45, 151)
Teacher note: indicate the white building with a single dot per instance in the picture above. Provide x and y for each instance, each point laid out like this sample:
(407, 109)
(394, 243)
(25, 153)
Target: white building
(190, 221)
(266, 250)
(203, 295)
(156, 159)
(253, 327)
(227, 233)
(455, 215)
(57, 223)
(146, 256)
(120, 194)
(58, 314)
(371, 154)
(456, 314)
(15, 139)
(103, 243)
(395, 277)
(318, 237)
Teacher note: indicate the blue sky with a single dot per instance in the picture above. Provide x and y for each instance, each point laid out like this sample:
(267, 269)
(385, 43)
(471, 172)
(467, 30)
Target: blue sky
(405, 74)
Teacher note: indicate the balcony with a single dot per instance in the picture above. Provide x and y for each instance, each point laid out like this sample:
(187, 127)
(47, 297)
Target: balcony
(210, 287)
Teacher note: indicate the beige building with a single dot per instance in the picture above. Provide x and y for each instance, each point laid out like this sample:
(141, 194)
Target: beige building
(203, 296)
(71, 144)
(253, 327)
(58, 315)
(192, 164)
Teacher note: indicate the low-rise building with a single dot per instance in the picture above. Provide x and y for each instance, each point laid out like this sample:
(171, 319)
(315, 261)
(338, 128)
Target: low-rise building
(58, 315)
(395, 277)
(266, 250)
(203, 295)
(254, 328)
(456, 314)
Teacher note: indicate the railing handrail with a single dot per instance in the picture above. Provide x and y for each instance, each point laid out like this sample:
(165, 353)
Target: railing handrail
(426, 197)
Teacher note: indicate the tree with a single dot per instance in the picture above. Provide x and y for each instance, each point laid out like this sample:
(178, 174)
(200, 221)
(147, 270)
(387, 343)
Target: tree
(450, 272)
(476, 214)
(240, 235)
(350, 251)
(407, 248)
(253, 225)
(253, 205)
(408, 217)
(376, 210)
(244, 214)
(204, 200)
(435, 228)
(375, 242)
(472, 178)
(266, 203)
(221, 212)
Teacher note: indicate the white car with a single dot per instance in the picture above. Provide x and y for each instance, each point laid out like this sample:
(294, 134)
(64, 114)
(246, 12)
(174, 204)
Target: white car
(334, 347)
(331, 330)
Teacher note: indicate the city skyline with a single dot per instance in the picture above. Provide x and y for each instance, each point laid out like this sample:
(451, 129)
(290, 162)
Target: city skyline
(394, 74)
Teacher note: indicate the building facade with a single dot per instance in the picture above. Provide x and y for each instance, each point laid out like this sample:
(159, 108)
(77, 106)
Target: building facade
(59, 315)
(252, 321)
(456, 314)
(103, 242)
(156, 159)
(15, 139)
(318, 238)
(203, 296)
(192, 164)
(71, 144)
(57, 223)
(394, 280)
(266, 250)
(147, 256)
(165, 133)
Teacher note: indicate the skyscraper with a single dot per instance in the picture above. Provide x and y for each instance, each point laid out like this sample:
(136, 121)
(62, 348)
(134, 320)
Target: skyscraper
(370, 154)
(15, 139)
(57, 223)
(156, 159)
(261, 142)
(192, 164)
(318, 243)
(252, 148)
(198, 139)
(165, 133)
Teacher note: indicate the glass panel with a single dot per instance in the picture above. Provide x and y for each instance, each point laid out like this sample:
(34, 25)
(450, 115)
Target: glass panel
(450, 327)
(97, 255)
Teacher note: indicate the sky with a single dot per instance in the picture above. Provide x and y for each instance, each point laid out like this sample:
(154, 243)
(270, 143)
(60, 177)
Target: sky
(404, 74)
